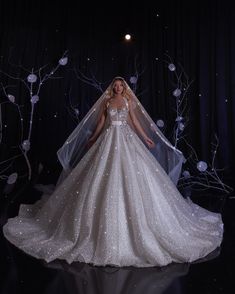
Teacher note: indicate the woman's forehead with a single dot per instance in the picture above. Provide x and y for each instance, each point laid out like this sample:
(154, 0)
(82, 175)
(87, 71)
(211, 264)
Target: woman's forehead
(118, 82)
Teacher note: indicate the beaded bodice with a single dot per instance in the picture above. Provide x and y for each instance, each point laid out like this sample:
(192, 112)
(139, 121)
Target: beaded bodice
(118, 115)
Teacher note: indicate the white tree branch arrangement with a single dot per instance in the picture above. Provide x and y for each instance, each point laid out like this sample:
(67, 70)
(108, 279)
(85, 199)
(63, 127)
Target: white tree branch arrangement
(89, 80)
(200, 175)
(92, 81)
(33, 81)
(73, 109)
(134, 78)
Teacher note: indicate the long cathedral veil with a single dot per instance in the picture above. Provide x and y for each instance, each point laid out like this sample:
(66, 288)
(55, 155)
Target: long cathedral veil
(74, 148)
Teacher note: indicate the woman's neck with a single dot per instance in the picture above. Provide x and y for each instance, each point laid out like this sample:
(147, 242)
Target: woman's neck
(117, 96)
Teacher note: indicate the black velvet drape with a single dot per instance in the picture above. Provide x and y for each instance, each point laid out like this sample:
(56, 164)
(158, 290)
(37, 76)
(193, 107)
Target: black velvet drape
(198, 35)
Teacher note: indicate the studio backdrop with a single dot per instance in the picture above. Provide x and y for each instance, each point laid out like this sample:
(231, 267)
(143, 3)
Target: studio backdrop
(179, 61)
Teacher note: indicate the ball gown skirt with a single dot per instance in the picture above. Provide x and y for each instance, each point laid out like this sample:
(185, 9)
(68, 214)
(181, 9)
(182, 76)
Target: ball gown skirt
(117, 207)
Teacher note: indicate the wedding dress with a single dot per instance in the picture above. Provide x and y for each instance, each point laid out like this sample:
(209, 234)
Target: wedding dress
(117, 207)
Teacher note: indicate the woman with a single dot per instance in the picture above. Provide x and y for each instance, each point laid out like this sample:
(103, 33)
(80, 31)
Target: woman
(116, 102)
(117, 203)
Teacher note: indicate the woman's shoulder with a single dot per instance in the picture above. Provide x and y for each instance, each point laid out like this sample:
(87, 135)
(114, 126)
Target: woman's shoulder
(108, 100)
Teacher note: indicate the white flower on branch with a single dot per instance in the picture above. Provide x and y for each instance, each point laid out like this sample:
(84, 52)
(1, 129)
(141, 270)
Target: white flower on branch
(76, 110)
(26, 145)
(202, 166)
(10, 184)
(186, 174)
(34, 99)
(63, 61)
(133, 80)
(176, 92)
(12, 178)
(179, 118)
(160, 123)
(171, 67)
(181, 126)
(11, 98)
(32, 78)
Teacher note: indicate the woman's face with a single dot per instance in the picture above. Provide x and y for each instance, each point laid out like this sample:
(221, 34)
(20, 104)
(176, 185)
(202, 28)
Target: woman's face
(118, 87)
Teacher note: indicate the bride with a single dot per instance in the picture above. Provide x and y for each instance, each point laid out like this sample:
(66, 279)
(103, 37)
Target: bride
(116, 201)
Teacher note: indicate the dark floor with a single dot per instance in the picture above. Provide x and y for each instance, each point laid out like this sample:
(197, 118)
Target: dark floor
(215, 274)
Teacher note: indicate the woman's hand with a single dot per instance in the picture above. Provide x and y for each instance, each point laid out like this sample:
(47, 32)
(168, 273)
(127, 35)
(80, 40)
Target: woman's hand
(150, 143)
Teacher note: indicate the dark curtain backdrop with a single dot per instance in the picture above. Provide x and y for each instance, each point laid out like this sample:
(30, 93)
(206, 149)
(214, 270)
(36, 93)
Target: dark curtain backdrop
(198, 35)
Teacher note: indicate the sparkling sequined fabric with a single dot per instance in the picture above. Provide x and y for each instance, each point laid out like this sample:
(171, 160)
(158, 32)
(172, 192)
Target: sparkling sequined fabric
(117, 207)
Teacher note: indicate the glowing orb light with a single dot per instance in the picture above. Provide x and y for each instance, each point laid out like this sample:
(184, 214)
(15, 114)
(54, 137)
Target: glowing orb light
(128, 37)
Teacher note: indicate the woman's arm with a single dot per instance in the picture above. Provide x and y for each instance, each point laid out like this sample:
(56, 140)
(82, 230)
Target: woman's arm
(99, 126)
(138, 127)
